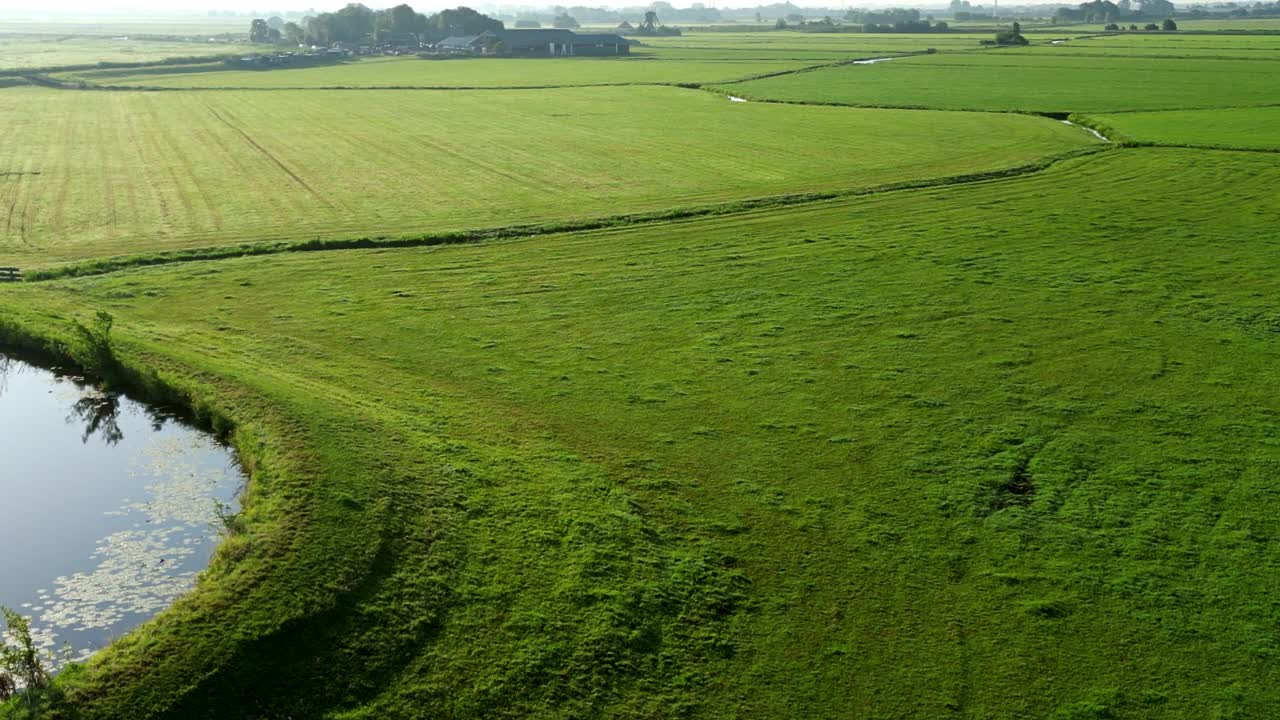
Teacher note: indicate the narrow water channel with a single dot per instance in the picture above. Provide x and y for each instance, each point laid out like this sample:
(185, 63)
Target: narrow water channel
(108, 507)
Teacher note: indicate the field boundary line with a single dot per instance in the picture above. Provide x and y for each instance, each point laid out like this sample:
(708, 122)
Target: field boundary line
(109, 265)
(727, 91)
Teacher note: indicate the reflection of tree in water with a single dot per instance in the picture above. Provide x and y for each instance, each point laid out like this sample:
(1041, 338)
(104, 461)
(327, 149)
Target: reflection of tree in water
(5, 363)
(100, 413)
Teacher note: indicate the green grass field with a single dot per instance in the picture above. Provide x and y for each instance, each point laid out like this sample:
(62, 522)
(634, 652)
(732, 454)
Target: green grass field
(1034, 80)
(983, 435)
(27, 52)
(1236, 128)
(489, 72)
(90, 174)
(1238, 47)
(928, 415)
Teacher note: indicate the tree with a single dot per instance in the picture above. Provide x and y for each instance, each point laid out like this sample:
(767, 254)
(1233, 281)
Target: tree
(294, 33)
(461, 21)
(1169, 25)
(404, 21)
(259, 32)
(564, 21)
(357, 22)
(275, 22)
(780, 24)
(1151, 26)
(1010, 37)
(21, 663)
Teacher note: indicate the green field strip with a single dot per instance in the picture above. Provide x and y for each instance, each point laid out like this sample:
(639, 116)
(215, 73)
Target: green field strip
(102, 266)
(1255, 129)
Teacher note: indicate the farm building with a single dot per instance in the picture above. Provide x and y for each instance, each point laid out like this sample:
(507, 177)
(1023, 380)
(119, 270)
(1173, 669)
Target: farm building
(535, 43)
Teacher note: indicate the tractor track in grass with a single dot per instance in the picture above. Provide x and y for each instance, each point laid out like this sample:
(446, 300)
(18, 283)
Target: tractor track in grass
(269, 156)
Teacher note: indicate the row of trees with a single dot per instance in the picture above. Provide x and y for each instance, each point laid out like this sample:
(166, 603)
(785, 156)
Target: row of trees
(356, 24)
(1105, 11)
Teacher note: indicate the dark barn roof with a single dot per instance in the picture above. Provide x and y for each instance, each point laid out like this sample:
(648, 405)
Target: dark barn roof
(598, 39)
(457, 42)
(517, 39)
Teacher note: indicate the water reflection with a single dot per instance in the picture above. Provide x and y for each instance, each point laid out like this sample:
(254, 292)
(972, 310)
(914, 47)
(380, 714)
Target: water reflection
(100, 413)
(98, 535)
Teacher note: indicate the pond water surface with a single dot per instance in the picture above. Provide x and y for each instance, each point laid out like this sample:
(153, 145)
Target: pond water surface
(108, 508)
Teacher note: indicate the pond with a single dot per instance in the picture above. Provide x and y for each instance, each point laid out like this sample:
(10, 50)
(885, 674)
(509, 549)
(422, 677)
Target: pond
(108, 508)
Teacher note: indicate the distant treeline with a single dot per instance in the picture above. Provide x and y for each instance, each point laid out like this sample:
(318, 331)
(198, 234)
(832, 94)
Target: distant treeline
(356, 24)
(1105, 11)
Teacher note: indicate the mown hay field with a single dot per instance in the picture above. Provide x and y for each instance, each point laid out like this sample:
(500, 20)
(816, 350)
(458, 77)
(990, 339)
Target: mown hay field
(981, 435)
(90, 174)
(1030, 80)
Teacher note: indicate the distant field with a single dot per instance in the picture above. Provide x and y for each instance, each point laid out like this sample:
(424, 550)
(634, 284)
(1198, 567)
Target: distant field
(486, 72)
(24, 51)
(1003, 450)
(822, 41)
(129, 172)
(1241, 128)
(1243, 47)
(1272, 24)
(1032, 79)
(120, 23)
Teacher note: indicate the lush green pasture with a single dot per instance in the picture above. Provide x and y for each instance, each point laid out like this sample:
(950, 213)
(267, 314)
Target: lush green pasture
(1243, 47)
(1239, 127)
(1033, 80)
(1000, 450)
(88, 174)
(25, 51)
(474, 72)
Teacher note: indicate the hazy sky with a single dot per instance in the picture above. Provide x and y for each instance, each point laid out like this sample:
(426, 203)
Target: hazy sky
(103, 7)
